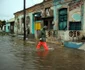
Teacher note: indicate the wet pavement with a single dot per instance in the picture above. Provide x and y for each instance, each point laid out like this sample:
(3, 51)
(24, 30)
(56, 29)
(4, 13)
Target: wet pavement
(18, 55)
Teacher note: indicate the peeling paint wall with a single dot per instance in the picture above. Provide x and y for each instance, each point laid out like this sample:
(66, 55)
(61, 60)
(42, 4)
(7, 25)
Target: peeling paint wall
(19, 25)
(75, 14)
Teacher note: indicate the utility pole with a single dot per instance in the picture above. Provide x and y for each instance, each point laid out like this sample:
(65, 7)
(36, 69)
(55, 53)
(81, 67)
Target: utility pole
(24, 22)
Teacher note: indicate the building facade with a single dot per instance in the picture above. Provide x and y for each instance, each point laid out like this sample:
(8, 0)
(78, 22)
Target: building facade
(11, 22)
(69, 18)
(37, 16)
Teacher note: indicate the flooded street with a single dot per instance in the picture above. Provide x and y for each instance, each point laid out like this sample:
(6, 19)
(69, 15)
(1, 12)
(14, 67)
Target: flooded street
(18, 55)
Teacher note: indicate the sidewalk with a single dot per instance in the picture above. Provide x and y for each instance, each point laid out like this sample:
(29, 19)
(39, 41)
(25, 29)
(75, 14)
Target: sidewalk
(54, 40)
(50, 41)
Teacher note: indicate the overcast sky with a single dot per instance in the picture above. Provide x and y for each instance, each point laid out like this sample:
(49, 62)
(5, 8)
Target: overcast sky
(9, 7)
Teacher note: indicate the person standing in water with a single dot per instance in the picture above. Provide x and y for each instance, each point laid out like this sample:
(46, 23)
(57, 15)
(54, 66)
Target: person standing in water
(42, 39)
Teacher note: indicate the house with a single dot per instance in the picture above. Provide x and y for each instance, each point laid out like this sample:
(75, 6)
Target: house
(7, 27)
(37, 16)
(69, 18)
(11, 23)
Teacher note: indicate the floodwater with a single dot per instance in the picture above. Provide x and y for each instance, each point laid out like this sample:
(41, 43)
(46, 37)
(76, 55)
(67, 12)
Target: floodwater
(18, 55)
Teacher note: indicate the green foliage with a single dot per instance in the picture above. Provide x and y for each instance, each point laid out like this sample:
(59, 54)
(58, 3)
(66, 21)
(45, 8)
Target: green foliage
(2, 23)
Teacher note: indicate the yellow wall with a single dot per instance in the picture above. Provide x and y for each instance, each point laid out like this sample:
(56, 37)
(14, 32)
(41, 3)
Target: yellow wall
(37, 25)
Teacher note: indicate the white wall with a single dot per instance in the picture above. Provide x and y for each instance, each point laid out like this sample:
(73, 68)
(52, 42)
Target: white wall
(84, 18)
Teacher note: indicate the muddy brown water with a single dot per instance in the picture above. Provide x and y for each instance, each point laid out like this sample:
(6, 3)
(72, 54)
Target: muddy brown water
(18, 55)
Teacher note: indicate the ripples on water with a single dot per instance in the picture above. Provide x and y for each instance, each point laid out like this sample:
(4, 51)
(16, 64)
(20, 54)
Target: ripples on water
(18, 55)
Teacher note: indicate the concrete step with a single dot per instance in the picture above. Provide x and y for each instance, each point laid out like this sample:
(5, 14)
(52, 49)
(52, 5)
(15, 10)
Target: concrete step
(82, 47)
(53, 40)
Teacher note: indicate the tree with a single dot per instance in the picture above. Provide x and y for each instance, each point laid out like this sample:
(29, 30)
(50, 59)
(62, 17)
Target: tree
(2, 23)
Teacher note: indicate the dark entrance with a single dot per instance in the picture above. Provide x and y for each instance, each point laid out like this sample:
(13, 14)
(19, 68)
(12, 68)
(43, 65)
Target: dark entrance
(48, 22)
(12, 27)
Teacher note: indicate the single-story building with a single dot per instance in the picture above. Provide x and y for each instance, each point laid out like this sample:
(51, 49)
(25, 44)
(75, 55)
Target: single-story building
(69, 17)
(37, 16)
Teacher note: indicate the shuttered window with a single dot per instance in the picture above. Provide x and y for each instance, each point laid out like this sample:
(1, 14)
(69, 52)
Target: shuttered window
(62, 24)
(75, 26)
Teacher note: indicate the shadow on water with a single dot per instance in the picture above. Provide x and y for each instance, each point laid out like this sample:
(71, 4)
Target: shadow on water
(15, 54)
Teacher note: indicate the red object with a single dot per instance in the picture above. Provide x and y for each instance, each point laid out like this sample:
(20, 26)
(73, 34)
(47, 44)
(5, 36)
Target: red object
(44, 44)
(42, 53)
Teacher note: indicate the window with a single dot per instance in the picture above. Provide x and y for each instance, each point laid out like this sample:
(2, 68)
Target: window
(75, 26)
(62, 25)
(27, 20)
(8, 27)
(18, 20)
(47, 11)
(37, 16)
(48, 23)
(22, 19)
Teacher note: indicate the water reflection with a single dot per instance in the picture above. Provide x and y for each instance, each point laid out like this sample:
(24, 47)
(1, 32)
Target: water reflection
(43, 53)
(43, 60)
(18, 55)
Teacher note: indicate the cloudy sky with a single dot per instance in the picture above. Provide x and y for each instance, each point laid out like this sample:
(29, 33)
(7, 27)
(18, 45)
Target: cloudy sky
(9, 7)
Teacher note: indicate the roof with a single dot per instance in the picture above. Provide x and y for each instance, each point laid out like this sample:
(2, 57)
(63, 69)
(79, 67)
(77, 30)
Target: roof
(11, 20)
(32, 6)
(29, 7)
